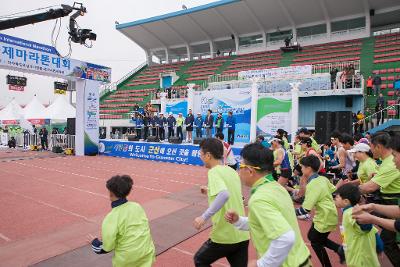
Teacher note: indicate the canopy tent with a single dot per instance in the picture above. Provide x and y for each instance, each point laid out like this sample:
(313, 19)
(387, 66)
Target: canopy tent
(60, 110)
(34, 110)
(12, 112)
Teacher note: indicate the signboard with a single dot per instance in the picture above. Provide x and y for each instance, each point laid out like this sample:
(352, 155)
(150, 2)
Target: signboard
(60, 92)
(17, 53)
(39, 121)
(177, 107)
(10, 122)
(173, 153)
(276, 72)
(236, 100)
(91, 117)
(273, 113)
(18, 88)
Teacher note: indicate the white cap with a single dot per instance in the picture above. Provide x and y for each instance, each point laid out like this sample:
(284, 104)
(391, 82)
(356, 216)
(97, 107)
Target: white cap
(160, 113)
(360, 147)
(275, 139)
(170, 113)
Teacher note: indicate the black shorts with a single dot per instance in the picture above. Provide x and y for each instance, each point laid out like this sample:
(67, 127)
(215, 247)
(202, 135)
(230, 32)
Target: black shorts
(189, 129)
(286, 173)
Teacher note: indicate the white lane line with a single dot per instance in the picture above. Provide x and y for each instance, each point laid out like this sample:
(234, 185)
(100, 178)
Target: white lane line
(91, 177)
(148, 176)
(57, 184)
(191, 254)
(4, 237)
(50, 205)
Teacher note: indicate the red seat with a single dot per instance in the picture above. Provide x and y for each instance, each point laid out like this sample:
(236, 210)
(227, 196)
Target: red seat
(390, 70)
(390, 86)
(383, 86)
(391, 112)
(384, 78)
(397, 69)
(375, 71)
(391, 102)
(383, 71)
(390, 78)
(390, 93)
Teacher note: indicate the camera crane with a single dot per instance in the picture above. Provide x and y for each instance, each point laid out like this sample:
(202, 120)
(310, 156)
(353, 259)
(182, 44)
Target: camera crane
(77, 35)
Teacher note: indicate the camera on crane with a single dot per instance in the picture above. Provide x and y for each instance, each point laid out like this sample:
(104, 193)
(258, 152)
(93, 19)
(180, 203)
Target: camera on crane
(79, 35)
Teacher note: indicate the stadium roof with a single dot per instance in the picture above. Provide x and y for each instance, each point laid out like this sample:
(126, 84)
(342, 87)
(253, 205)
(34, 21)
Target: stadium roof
(218, 21)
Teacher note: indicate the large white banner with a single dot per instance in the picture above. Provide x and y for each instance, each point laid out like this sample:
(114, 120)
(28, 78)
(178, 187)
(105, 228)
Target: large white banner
(91, 117)
(236, 100)
(273, 113)
(276, 72)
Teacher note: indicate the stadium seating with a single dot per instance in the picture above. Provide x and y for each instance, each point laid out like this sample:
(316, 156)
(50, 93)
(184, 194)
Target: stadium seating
(143, 85)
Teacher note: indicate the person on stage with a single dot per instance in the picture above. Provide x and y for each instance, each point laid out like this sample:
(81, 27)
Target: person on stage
(146, 123)
(198, 122)
(154, 125)
(138, 126)
(209, 123)
(162, 122)
(171, 122)
(179, 124)
(219, 123)
(231, 124)
(189, 126)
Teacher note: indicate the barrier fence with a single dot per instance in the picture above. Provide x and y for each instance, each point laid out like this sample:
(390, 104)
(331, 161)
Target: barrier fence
(26, 140)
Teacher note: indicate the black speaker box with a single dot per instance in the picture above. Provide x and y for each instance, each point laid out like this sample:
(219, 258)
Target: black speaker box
(71, 126)
(57, 149)
(324, 125)
(197, 141)
(344, 122)
(175, 140)
(133, 138)
(153, 139)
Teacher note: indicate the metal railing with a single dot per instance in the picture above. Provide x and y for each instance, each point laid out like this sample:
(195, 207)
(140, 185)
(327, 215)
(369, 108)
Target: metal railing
(379, 117)
(26, 140)
(327, 67)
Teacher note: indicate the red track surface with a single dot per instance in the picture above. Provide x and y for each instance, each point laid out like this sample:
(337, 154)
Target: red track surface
(49, 205)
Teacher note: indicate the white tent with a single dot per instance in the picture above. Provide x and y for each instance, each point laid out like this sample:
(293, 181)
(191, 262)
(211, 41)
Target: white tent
(60, 110)
(12, 111)
(34, 110)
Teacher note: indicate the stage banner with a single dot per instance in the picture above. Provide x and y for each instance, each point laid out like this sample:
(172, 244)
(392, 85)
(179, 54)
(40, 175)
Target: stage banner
(276, 72)
(177, 107)
(164, 152)
(91, 117)
(20, 54)
(236, 100)
(273, 112)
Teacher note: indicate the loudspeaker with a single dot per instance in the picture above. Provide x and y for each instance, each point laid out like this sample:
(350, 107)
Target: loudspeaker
(349, 101)
(324, 125)
(71, 126)
(344, 122)
(372, 12)
(175, 140)
(133, 138)
(153, 139)
(197, 141)
(57, 149)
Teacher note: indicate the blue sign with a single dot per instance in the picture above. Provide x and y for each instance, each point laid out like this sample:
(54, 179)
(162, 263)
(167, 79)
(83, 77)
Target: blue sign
(164, 152)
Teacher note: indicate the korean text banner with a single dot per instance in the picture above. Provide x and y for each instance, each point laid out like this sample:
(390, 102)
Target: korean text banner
(236, 100)
(177, 107)
(273, 113)
(91, 119)
(276, 72)
(20, 54)
(182, 154)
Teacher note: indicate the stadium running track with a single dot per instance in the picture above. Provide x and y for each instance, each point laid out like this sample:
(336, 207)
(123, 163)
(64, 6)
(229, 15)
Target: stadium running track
(50, 203)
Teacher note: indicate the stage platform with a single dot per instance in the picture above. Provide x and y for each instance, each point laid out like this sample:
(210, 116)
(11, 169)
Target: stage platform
(184, 153)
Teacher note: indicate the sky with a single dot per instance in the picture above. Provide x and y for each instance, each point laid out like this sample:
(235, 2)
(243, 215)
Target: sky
(111, 48)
